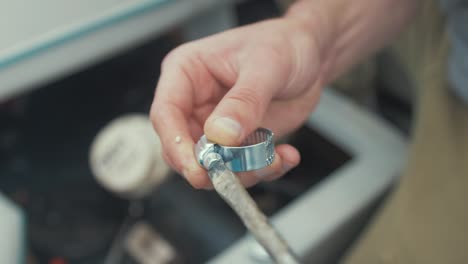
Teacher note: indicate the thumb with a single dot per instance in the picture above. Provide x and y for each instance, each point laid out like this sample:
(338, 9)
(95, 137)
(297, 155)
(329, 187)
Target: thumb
(241, 110)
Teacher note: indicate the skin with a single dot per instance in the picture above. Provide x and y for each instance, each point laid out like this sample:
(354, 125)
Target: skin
(267, 74)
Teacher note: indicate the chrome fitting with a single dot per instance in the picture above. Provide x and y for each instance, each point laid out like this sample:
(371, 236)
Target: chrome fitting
(256, 152)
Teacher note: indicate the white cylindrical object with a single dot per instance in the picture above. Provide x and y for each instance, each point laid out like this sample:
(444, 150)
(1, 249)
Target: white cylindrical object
(126, 158)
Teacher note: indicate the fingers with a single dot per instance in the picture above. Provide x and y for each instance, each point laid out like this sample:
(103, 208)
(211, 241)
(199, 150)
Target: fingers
(172, 127)
(286, 158)
(187, 91)
(242, 109)
(170, 114)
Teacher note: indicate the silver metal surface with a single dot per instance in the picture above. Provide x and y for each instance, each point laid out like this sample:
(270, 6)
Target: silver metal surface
(256, 152)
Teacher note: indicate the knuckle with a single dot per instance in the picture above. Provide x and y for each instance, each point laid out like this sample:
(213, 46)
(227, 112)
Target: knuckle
(184, 60)
(247, 98)
(171, 58)
(172, 159)
(199, 179)
(166, 158)
(276, 63)
(155, 117)
(178, 55)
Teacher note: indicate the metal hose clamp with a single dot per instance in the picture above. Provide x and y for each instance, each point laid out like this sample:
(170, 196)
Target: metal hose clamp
(256, 152)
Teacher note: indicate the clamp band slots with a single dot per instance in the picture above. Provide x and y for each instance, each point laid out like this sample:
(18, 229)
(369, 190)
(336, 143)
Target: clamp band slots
(256, 152)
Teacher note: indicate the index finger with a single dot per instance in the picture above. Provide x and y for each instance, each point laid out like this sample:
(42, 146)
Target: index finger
(170, 113)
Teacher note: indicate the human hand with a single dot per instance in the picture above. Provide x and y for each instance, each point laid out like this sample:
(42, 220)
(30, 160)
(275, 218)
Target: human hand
(227, 85)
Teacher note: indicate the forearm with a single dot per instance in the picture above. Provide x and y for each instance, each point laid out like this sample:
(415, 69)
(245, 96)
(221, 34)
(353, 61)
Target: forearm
(347, 32)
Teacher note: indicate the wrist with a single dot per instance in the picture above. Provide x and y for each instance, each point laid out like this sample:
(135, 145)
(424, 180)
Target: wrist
(319, 20)
(314, 21)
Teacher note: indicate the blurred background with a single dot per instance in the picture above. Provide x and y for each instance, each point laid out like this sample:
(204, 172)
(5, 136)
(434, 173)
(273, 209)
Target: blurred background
(68, 68)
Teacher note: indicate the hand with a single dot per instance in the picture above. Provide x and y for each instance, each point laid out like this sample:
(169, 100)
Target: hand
(229, 84)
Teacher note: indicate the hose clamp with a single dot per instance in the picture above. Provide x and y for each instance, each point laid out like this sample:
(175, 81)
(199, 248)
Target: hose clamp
(256, 152)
